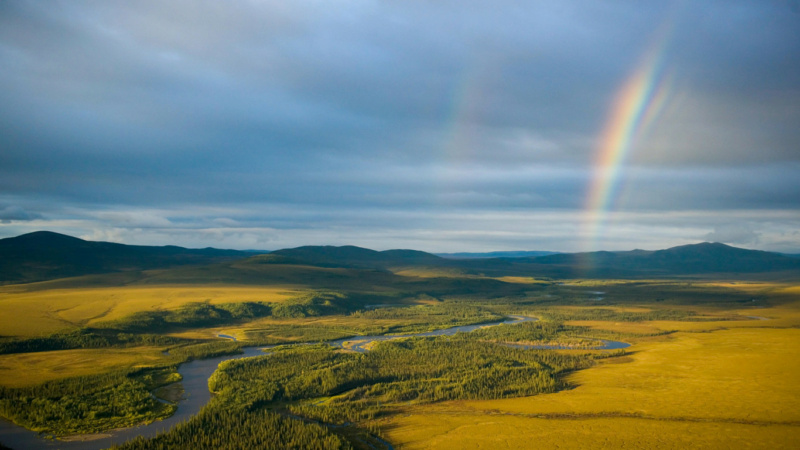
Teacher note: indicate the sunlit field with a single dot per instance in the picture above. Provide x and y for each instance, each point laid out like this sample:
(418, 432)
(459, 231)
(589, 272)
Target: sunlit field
(379, 225)
(28, 369)
(732, 384)
(450, 427)
(711, 364)
(45, 311)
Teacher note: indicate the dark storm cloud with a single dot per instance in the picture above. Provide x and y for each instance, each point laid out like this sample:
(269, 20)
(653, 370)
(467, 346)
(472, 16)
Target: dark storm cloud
(175, 116)
(15, 213)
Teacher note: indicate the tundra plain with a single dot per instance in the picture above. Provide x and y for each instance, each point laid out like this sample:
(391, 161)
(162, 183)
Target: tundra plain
(712, 363)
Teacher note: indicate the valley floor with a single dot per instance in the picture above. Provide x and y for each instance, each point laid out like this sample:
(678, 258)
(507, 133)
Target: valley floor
(712, 364)
(733, 387)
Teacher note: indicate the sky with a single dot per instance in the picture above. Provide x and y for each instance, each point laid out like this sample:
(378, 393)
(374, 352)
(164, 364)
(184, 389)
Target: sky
(441, 126)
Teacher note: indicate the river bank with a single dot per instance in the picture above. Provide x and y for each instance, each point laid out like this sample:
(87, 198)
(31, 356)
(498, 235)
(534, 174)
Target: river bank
(196, 394)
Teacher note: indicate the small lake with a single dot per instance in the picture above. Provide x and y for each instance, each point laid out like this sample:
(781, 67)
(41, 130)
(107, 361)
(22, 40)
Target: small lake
(196, 395)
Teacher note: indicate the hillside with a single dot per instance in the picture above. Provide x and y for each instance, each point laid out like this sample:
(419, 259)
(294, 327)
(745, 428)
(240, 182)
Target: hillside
(687, 260)
(356, 257)
(507, 254)
(45, 255)
(703, 258)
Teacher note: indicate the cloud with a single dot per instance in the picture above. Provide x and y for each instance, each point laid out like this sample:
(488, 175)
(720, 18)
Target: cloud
(133, 219)
(339, 120)
(733, 234)
(105, 235)
(16, 213)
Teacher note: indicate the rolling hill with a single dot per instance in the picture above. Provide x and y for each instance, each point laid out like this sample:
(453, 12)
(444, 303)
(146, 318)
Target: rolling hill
(703, 258)
(355, 257)
(686, 260)
(507, 254)
(44, 255)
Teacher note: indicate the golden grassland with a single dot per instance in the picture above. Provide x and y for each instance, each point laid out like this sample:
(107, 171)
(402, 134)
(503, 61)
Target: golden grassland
(775, 317)
(447, 272)
(523, 280)
(28, 369)
(727, 384)
(38, 312)
(429, 272)
(498, 431)
(712, 384)
(620, 327)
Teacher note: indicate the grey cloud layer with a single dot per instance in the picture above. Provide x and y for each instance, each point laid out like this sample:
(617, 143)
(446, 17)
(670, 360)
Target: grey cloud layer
(124, 107)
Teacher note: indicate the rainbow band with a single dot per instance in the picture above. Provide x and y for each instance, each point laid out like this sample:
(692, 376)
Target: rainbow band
(635, 107)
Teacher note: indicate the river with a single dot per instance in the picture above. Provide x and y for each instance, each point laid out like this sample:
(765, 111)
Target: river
(195, 384)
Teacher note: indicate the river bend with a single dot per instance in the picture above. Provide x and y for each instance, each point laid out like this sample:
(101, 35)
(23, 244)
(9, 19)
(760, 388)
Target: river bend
(196, 394)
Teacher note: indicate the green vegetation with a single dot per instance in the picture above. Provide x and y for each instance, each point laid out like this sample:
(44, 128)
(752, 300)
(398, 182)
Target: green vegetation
(200, 315)
(729, 388)
(315, 395)
(279, 333)
(127, 332)
(89, 404)
(205, 350)
(190, 315)
(260, 400)
(419, 370)
(419, 319)
(538, 333)
(122, 398)
(45, 255)
(83, 338)
(375, 322)
(612, 315)
(119, 398)
(362, 387)
(241, 429)
(315, 304)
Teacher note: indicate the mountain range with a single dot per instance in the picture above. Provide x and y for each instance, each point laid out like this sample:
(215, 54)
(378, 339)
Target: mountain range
(507, 254)
(46, 255)
(704, 257)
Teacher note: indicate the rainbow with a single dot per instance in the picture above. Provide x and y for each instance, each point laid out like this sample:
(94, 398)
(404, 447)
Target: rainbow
(636, 106)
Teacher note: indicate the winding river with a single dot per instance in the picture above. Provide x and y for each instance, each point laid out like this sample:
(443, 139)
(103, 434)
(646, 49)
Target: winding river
(195, 384)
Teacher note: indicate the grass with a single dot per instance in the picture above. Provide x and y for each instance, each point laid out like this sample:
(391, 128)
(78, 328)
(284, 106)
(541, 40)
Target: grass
(29, 369)
(722, 378)
(296, 329)
(525, 280)
(642, 328)
(673, 293)
(38, 312)
(453, 429)
(408, 315)
(734, 387)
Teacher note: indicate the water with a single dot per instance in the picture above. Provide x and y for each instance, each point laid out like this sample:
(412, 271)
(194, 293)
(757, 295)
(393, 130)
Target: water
(359, 343)
(196, 394)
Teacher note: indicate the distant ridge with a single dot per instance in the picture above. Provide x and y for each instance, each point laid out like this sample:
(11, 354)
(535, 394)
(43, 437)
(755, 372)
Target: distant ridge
(352, 256)
(45, 255)
(508, 254)
(704, 257)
